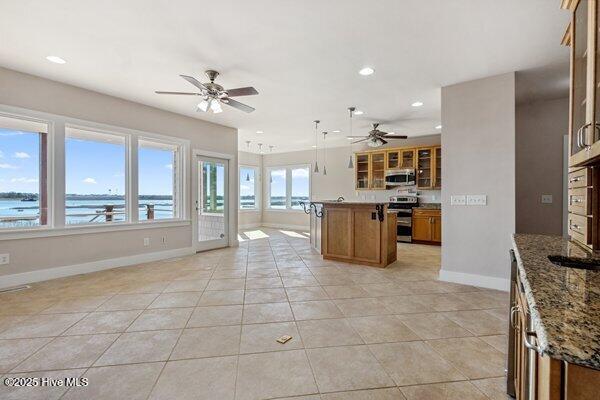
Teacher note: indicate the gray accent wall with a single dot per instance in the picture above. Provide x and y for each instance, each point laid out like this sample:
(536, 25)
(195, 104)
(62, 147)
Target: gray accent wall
(478, 140)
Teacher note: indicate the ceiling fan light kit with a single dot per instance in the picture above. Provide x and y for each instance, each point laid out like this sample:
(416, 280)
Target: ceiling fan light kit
(213, 94)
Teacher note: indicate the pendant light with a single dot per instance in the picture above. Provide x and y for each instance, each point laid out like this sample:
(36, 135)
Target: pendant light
(324, 154)
(316, 171)
(247, 176)
(350, 161)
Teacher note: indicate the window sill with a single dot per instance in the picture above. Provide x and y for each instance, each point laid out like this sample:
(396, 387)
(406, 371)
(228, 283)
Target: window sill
(249, 210)
(14, 234)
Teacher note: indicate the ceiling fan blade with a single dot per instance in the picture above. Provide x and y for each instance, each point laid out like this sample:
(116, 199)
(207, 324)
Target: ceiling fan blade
(237, 104)
(384, 141)
(194, 82)
(358, 141)
(395, 136)
(244, 91)
(185, 93)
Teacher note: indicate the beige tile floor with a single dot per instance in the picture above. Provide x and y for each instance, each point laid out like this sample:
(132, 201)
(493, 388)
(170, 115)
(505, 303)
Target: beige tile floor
(204, 327)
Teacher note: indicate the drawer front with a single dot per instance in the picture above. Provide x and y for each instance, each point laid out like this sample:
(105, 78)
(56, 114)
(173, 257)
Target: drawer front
(426, 212)
(579, 228)
(580, 178)
(580, 201)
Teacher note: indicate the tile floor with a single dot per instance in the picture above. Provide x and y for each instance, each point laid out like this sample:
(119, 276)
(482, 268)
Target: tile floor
(204, 327)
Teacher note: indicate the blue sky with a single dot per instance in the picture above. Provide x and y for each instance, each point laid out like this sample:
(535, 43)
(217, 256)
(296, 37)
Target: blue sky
(19, 161)
(300, 182)
(91, 167)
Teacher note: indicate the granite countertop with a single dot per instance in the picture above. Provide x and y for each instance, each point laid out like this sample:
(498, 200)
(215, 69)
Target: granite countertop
(564, 302)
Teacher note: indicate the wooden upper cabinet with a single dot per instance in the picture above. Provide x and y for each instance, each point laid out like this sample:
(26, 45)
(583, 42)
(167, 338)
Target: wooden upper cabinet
(361, 166)
(584, 122)
(377, 169)
(437, 172)
(393, 159)
(425, 168)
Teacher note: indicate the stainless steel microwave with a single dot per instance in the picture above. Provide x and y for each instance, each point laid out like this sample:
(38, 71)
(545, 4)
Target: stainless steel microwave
(400, 177)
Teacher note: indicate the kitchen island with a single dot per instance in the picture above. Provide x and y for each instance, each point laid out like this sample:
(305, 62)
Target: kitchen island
(356, 232)
(555, 320)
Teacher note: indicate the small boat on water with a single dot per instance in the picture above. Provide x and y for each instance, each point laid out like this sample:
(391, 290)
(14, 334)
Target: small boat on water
(29, 199)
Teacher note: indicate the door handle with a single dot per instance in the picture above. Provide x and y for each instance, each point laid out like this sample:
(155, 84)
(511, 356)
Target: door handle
(513, 311)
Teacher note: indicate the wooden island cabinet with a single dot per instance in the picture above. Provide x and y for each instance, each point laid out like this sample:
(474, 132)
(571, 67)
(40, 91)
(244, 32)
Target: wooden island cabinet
(360, 233)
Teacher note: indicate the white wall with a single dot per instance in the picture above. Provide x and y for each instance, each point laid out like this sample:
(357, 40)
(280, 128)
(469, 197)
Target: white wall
(339, 180)
(540, 130)
(251, 218)
(478, 139)
(34, 93)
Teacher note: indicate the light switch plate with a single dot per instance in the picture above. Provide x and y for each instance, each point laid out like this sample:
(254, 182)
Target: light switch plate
(458, 200)
(546, 199)
(476, 200)
(4, 259)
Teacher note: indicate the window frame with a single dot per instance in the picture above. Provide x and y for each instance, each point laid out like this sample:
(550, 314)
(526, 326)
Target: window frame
(257, 187)
(288, 186)
(56, 176)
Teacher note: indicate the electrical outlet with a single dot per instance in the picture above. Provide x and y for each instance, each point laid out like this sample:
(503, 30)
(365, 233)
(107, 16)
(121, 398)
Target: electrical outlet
(146, 242)
(4, 259)
(546, 199)
(458, 200)
(477, 200)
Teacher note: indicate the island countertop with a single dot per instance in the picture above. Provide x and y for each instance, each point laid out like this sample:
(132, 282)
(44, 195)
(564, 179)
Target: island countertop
(564, 302)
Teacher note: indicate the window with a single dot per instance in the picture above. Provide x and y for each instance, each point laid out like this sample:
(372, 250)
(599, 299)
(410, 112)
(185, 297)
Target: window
(288, 186)
(277, 189)
(23, 173)
(213, 190)
(157, 180)
(249, 188)
(95, 170)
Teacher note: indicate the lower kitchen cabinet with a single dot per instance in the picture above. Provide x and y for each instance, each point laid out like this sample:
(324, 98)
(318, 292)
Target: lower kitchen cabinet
(427, 226)
(537, 376)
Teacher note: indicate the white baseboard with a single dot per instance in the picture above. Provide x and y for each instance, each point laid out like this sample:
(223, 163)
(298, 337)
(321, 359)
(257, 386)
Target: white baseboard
(69, 270)
(488, 282)
(284, 226)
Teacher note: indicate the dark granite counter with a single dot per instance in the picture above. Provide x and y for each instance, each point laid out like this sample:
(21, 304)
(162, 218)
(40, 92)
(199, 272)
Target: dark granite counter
(564, 302)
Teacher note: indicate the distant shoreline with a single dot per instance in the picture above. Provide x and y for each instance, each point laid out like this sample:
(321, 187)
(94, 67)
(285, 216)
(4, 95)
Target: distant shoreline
(20, 196)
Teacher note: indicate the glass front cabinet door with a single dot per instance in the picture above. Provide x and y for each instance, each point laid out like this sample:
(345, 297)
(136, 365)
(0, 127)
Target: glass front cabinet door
(362, 171)
(377, 171)
(424, 168)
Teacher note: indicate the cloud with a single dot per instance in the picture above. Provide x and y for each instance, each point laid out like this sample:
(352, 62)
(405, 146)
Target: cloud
(300, 173)
(169, 166)
(90, 181)
(278, 172)
(8, 166)
(24, 180)
(21, 154)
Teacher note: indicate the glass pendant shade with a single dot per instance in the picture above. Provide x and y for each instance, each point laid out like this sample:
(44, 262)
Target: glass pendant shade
(247, 177)
(316, 171)
(215, 106)
(324, 170)
(350, 163)
(203, 105)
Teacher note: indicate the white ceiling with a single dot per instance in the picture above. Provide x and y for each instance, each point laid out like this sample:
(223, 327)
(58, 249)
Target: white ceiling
(302, 56)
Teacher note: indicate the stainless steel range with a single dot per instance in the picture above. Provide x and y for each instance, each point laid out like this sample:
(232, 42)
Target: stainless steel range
(403, 207)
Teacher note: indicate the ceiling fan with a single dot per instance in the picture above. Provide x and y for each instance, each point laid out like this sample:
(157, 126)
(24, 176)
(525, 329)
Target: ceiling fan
(214, 94)
(376, 138)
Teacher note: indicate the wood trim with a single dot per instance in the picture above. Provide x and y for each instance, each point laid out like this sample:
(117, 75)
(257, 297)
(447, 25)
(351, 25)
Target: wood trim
(566, 39)
(569, 4)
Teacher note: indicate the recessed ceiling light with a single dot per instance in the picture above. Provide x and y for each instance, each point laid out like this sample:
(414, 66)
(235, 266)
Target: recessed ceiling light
(417, 104)
(438, 127)
(56, 59)
(366, 71)
(358, 112)
(313, 146)
(336, 131)
(259, 132)
(349, 138)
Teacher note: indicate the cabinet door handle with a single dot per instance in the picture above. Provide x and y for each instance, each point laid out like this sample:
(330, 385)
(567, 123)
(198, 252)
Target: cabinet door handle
(583, 129)
(528, 344)
(513, 311)
(579, 138)
(576, 179)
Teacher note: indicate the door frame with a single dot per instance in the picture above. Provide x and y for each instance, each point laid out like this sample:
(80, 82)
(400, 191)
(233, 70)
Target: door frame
(229, 210)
